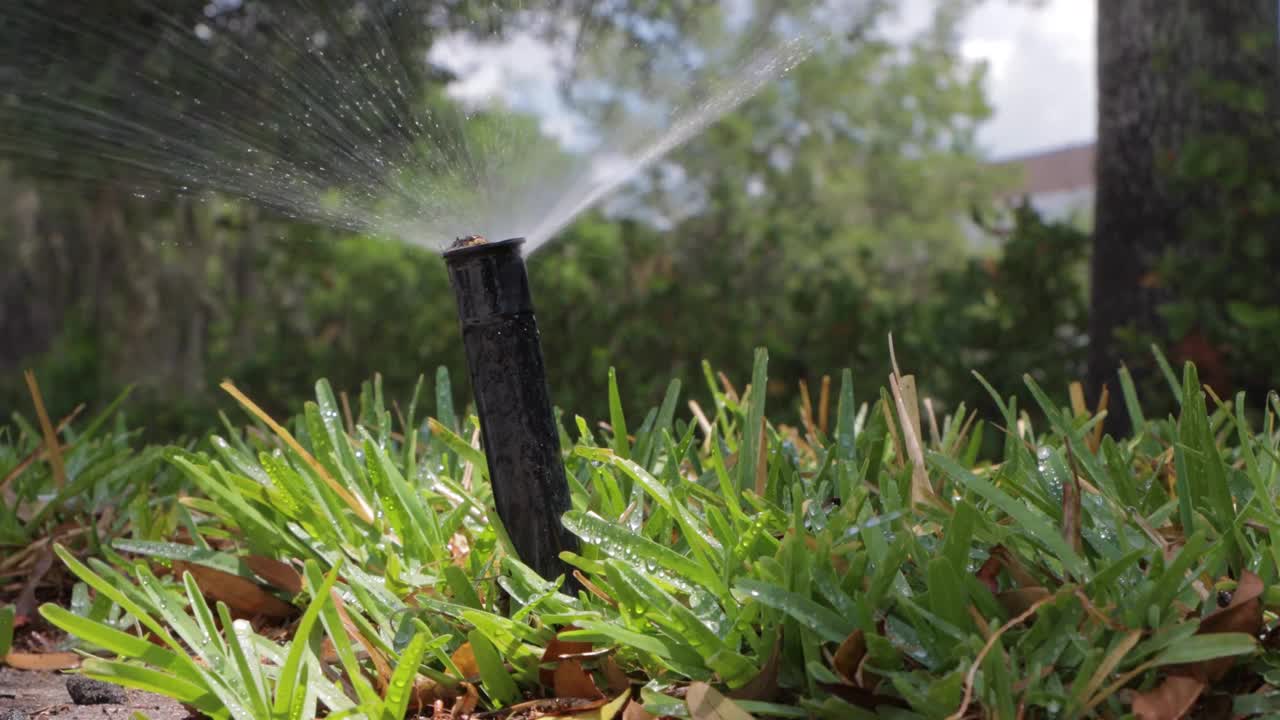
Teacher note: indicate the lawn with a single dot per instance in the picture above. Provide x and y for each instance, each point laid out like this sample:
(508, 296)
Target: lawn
(867, 561)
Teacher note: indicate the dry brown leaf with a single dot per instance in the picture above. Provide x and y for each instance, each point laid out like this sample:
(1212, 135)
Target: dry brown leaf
(837, 559)
(467, 701)
(849, 656)
(459, 549)
(764, 686)
(601, 709)
(1242, 615)
(861, 697)
(275, 573)
(618, 680)
(428, 693)
(570, 680)
(243, 597)
(707, 703)
(465, 659)
(375, 654)
(1016, 602)
(989, 573)
(556, 651)
(42, 661)
(636, 711)
(1170, 700)
(1007, 561)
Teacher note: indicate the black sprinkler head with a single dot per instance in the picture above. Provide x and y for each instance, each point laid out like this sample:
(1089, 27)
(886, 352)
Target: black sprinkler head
(521, 441)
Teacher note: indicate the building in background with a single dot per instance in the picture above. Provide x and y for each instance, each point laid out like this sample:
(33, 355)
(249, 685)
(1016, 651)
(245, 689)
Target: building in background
(1059, 183)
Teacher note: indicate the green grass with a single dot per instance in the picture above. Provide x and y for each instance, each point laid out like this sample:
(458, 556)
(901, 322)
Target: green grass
(813, 572)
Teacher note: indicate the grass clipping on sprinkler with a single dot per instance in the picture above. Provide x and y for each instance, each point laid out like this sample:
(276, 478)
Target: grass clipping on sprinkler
(467, 241)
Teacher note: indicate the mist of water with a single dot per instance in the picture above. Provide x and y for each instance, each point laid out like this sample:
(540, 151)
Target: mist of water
(511, 120)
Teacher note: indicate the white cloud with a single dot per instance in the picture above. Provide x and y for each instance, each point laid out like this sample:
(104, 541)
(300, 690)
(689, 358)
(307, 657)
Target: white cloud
(1042, 82)
(522, 71)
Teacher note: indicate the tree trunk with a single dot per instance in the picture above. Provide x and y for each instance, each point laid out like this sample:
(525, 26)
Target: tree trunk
(1156, 58)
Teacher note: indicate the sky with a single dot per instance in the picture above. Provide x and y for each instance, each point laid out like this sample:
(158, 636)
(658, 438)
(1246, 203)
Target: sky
(1041, 80)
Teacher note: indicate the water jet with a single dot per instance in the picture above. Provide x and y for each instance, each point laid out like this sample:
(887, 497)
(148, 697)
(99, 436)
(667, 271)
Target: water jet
(508, 379)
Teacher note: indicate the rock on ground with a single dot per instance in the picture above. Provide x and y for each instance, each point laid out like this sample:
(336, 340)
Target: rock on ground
(37, 695)
(87, 691)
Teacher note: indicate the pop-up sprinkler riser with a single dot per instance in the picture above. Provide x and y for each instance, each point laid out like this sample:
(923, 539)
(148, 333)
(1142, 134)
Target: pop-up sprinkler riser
(508, 378)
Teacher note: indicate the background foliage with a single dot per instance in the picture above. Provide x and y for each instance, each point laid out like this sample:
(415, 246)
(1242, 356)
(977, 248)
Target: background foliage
(820, 217)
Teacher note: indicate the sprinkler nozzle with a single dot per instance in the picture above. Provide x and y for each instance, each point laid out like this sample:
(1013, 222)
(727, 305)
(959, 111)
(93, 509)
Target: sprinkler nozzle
(504, 360)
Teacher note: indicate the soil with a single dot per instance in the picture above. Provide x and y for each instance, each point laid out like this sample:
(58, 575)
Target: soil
(44, 695)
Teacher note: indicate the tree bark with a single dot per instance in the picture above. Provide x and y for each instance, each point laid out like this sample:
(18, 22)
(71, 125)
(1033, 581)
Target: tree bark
(1155, 60)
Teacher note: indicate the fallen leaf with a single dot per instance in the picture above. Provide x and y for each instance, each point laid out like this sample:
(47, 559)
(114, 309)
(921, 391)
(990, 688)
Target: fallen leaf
(275, 573)
(1242, 615)
(764, 686)
(427, 693)
(618, 680)
(706, 703)
(375, 654)
(603, 711)
(459, 549)
(571, 680)
(244, 597)
(1021, 576)
(556, 651)
(466, 702)
(989, 573)
(465, 659)
(636, 711)
(861, 697)
(1016, 602)
(849, 656)
(1170, 700)
(559, 707)
(42, 661)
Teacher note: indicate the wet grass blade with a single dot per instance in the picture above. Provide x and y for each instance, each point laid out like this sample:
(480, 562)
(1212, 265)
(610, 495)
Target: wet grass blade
(753, 429)
(617, 419)
(292, 672)
(1036, 527)
(497, 681)
(400, 689)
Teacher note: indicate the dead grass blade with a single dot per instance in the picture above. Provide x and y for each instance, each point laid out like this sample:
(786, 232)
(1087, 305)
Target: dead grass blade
(53, 450)
(355, 502)
(824, 405)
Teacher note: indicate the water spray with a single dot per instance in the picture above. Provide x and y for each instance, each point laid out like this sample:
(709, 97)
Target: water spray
(504, 358)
